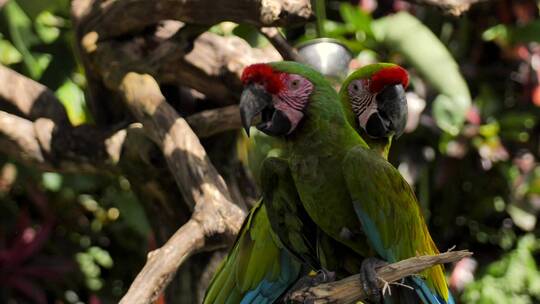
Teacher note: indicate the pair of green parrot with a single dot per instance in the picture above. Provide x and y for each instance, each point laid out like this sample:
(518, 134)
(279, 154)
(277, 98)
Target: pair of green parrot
(331, 200)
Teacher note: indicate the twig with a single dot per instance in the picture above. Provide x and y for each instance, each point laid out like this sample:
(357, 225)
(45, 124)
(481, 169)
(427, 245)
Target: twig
(280, 43)
(349, 289)
(215, 219)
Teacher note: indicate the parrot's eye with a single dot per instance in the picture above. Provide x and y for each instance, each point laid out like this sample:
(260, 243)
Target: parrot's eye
(355, 87)
(295, 84)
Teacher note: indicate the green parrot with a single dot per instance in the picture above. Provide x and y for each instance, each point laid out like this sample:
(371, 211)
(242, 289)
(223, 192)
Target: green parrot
(351, 193)
(258, 269)
(238, 280)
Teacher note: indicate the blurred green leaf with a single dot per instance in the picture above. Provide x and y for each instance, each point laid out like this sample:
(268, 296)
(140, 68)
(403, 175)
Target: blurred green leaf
(406, 35)
(72, 97)
(22, 36)
(513, 34)
(46, 26)
(131, 211)
(250, 34)
(52, 181)
(511, 279)
(354, 16)
(8, 53)
(102, 257)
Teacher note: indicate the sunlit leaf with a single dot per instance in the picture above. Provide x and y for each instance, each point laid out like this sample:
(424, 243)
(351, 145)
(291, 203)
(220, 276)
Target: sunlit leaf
(72, 97)
(8, 53)
(406, 35)
(46, 26)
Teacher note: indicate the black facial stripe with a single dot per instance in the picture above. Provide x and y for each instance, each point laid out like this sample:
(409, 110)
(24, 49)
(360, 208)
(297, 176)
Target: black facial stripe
(359, 104)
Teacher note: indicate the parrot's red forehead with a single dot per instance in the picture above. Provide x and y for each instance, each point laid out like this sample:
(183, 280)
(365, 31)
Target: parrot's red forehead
(263, 74)
(388, 76)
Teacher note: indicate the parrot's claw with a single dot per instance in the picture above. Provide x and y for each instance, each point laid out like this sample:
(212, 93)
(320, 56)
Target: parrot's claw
(369, 279)
(311, 280)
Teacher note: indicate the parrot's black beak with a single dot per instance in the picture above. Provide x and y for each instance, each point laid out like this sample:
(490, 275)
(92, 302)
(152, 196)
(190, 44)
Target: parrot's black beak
(253, 101)
(391, 115)
(256, 102)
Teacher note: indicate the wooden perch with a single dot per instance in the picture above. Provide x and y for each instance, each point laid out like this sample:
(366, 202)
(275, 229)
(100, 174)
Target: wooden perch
(215, 219)
(103, 17)
(349, 289)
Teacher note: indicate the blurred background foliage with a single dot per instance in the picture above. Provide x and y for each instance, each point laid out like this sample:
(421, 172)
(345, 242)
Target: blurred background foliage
(470, 150)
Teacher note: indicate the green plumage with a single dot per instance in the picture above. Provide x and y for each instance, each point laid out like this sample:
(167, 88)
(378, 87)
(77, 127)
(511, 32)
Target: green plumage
(330, 200)
(256, 257)
(339, 180)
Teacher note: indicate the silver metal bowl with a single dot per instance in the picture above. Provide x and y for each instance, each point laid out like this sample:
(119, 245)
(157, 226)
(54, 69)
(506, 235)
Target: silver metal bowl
(328, 56)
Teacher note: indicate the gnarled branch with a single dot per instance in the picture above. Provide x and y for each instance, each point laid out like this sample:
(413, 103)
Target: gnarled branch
(102, 17)
(202, 187)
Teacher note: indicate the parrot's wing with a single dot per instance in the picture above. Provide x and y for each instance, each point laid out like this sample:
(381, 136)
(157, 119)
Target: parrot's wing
(389, 213)
(257, 270)
(289, 220)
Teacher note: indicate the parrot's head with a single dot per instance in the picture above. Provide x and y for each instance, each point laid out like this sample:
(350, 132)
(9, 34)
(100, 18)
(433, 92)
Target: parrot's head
(276, 96)
(375, 94)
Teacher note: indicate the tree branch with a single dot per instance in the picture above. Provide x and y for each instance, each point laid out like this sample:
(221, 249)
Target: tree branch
(280, 43)
(453, 7)
(213, 67)
(349, 290)
(21, 138)
(51, 143)
(211, 122)
(103, 17)
(29, 97)
(215, 219)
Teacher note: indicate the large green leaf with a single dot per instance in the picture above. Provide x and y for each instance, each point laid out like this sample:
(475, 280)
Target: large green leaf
(406, 35)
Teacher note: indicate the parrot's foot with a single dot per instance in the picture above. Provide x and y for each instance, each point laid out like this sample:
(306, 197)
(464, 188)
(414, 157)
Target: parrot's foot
(310, 280)
(369, 279)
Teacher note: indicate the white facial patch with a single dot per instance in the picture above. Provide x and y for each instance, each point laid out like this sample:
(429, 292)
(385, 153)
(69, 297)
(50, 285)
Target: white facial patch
(362, 101)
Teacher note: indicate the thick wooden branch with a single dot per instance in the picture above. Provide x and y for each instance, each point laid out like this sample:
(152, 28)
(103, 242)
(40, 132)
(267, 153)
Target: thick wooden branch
(51, 143)
(29, 97)
(211, 122)
(114, 18)
(349, 290)
(213, 67)
(453, 7)
(215, 219)
(20, 138)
